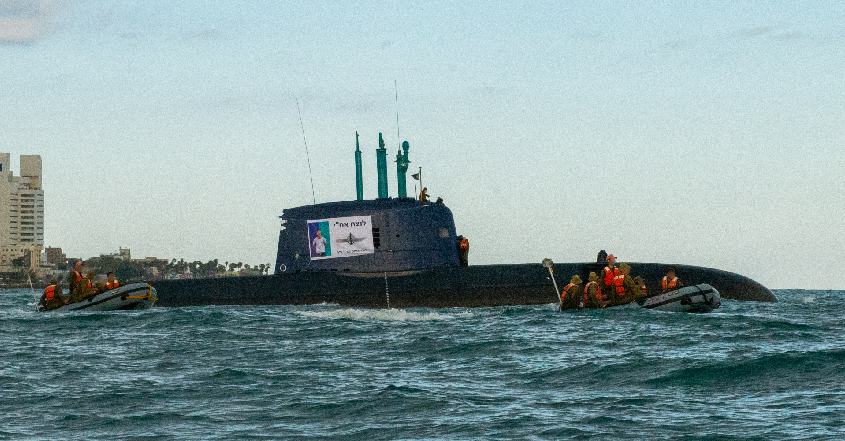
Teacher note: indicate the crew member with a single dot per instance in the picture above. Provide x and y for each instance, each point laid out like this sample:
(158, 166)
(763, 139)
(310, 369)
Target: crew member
(94, 289)
(571, 298)
(424, 194)
(76, 283)
(592, 293)
(52, 297)
(630, 290)
(609, 276)
(111, 283)
(641, 283)
(463, 248)
(670, 281)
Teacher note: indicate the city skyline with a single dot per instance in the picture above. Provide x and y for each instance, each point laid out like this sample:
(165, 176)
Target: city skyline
(697, 134)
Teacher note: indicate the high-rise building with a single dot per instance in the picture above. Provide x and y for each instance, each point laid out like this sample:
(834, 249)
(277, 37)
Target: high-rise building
(21, 210)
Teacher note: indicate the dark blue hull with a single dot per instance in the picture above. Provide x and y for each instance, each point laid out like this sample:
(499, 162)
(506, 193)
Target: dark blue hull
(472, 286)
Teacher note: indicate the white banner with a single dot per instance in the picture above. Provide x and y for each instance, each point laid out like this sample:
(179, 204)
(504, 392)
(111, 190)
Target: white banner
(340, 237)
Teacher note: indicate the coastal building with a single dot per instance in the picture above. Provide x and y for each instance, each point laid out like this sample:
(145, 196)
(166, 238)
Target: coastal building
(21, 211)
(55, 256)
(152, 260)
(121, 254)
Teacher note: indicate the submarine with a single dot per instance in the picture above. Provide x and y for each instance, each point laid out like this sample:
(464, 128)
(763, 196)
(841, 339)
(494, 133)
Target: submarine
(401, 253)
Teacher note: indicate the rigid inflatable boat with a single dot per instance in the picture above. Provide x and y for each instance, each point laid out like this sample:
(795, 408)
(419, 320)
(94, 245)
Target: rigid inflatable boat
(698, 298)
(127, 297)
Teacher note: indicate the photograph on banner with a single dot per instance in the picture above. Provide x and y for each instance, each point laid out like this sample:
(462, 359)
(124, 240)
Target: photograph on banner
(340, 237)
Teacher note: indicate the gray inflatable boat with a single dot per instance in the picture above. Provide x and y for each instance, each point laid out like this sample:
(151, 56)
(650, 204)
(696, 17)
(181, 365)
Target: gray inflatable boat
(698, 298)
(131, 296)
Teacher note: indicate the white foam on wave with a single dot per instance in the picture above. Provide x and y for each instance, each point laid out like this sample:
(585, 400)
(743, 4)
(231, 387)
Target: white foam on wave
(396, 315)
(809, 299)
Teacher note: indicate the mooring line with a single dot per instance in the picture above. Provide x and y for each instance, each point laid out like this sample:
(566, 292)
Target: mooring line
(387, 290)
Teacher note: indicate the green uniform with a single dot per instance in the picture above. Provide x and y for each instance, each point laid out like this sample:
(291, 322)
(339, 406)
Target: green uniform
(593, 300)
(78, 288)
(572, 299)
(631, 288)
(57, 302)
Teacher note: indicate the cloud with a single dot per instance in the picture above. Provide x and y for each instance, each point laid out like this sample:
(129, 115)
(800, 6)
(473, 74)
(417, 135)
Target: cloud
(792, 35)
(773, 32)
(758, 31)
(27, 21)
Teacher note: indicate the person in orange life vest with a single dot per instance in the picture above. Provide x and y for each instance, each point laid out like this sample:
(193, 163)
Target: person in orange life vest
(593, 294)
(463, 250)
(94, 288)
(670, 282)
(90, 279)
(608, 279)
(621, 294)
(571, 297)
(111, 283)
(52, 297)
(630, 290)
(77, 285)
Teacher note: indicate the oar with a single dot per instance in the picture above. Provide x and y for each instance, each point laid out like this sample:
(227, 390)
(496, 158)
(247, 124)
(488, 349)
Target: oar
(32, 291)
(548, 264)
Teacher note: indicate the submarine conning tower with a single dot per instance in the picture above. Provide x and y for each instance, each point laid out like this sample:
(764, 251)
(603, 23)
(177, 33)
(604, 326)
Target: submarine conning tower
(396, 235)
(369, 236)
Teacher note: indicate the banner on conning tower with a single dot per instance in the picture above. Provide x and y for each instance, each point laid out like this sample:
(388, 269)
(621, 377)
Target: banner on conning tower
(340, 237)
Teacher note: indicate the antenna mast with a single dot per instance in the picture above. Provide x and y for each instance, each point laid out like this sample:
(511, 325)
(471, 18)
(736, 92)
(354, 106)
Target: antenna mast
(307, 155)
(396, 89)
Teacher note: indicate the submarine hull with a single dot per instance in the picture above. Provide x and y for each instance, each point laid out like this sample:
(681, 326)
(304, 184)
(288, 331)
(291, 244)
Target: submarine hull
(471, 286)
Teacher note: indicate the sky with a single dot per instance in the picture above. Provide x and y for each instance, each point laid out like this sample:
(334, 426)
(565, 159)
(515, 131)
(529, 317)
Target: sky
(708, 133)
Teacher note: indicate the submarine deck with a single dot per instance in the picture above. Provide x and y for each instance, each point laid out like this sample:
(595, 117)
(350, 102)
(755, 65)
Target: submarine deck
(472, 286)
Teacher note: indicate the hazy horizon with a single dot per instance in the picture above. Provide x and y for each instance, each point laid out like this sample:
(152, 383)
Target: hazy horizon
(707, 134)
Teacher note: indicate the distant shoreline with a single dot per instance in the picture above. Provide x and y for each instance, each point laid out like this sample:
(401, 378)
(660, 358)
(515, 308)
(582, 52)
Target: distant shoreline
(38, 285)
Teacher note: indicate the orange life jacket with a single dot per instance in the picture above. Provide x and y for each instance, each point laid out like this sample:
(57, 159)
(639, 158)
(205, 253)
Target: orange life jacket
(609, 275)
(112, 285)
(89, 284)
(669, 285)
(587, 292)
(618, 284)
(565, 290)
(464, 244)
(77, 277)
(643, 289)
(50, 292)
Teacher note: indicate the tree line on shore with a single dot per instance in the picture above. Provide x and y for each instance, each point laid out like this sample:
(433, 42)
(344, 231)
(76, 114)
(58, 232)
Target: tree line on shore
(163, 269)
(128, 270)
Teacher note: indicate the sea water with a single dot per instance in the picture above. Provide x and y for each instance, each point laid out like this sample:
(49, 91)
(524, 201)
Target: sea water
(747, 370)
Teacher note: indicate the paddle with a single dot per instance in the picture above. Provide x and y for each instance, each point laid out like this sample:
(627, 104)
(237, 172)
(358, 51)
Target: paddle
(548, 264)
(32, 291)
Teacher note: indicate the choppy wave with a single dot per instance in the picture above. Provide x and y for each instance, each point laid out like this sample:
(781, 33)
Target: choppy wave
(819, 368)
(748, 371)
(395, 315)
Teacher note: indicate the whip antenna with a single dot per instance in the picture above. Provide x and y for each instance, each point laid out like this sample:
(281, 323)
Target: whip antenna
(396, 89)
(307, 155)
